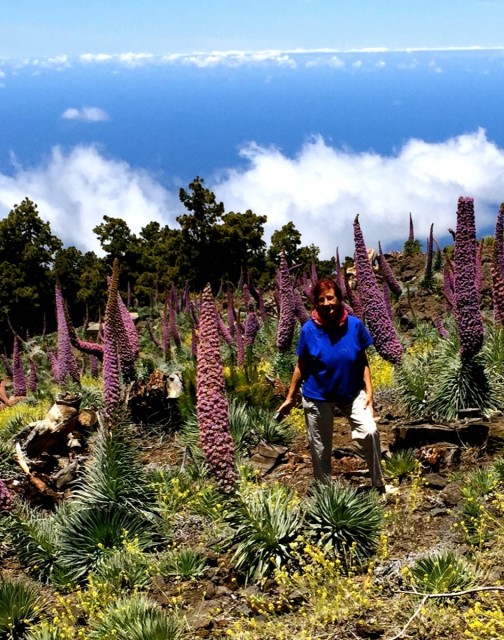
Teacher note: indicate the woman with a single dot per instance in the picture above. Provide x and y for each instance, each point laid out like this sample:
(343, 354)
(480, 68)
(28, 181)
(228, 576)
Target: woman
(333, 368)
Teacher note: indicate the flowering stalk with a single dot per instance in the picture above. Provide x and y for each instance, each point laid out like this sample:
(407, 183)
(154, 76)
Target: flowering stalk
(299, 308)
(497, 294)
(287, 318)
(438, 323)
(93, 366)
(112, 388)
(499, 240)
(478, 278)
(339, 275)
(387, 273)
(231, 312)
(353, 298)
(18, 375)
(7, 366)
(251, 326)
(240, 347)
(428, 278)
(173, 318)
(411, 235)
(377, 318)
(165, 331)
(5, 498)
(212, 404)
(467, 308)
(67, 365)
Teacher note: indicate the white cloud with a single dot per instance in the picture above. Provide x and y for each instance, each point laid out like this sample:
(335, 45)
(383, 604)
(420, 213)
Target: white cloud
(75, 190)
(87, 114)
(322, 189)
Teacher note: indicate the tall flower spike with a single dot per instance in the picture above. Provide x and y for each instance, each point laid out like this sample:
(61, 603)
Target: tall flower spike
(411, 236)
(251, 325)
(377, 318)
(67, 365)
(497, 294)
(478, 278)
(386, 271)
(467, 308)
(212, 404)
(428, 277)
(300, 310)
(287, 318)
(18, 375)
(7, 365)
(339, 275)
(112, 389)
(499, 240)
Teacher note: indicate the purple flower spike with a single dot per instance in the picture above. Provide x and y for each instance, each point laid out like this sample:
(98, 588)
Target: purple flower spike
(339, 275)
(299, 308)
(251, 326)
(287, 319)
(112, 390)
(497, 294)
(5, 498)
(387, 273)
(212, 403)
(438, 323)
(7, 365)
(18, 375)
(499, 240)
(67, 365)
(467, 308)
(377, 318)
(411, 236)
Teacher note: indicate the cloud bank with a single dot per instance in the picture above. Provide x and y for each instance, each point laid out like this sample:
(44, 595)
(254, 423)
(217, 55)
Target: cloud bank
(321, 190)
(85, 114)
(75, 190)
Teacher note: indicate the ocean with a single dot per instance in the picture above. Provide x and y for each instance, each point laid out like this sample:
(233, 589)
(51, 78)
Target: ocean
(181, 121)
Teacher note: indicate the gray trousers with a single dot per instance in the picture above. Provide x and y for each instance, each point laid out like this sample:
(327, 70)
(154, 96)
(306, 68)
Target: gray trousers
(319, 417)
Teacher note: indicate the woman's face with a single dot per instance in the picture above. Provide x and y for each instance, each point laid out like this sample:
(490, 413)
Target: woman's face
(328, 304)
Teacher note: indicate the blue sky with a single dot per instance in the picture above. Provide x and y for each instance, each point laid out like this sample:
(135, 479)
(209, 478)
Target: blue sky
(308, 111)
(56, 27)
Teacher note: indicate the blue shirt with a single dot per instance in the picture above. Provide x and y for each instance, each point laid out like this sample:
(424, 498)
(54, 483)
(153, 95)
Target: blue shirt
(334, 370)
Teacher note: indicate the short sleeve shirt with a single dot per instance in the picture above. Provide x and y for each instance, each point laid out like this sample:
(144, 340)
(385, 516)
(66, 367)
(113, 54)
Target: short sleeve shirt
(334, 368)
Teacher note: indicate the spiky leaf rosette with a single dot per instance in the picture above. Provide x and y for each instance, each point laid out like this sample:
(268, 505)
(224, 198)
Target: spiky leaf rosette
(377, 318)
(112, 390)
(341, 520)
(467, 309)
(287, 319)
(212, 403)
(67, 366)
